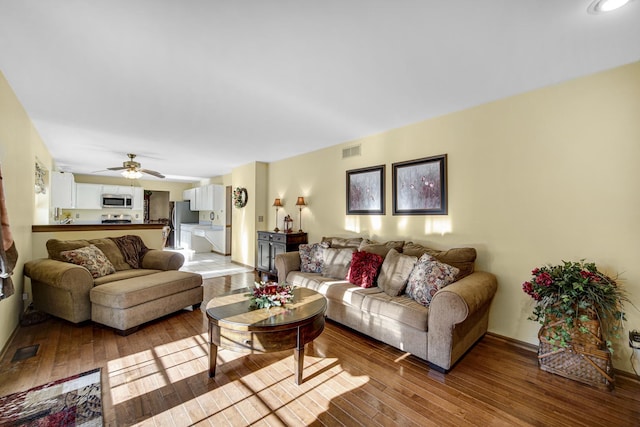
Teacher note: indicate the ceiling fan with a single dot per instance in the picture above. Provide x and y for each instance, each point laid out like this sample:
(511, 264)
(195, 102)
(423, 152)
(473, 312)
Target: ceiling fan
(132, 170)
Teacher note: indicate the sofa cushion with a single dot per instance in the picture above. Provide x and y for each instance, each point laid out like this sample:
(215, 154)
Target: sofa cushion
(124, 274)
(429, 276)
(400, 309)
(461, 258)
(364, 268)
(312, 257)
(340, 242)
(395, 272)
(91, 258)
(336, 262)
(340, 291)
(381, 249)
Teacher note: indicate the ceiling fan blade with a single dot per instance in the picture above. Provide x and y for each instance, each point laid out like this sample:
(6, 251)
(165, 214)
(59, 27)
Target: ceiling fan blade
(154, 173)
(117, 169)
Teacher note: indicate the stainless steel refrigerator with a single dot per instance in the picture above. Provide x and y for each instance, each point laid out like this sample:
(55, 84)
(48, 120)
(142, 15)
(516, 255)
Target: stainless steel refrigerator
(181, 214)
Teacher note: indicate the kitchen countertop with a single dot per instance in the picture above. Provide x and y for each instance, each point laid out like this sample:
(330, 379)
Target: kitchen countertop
(89, 227)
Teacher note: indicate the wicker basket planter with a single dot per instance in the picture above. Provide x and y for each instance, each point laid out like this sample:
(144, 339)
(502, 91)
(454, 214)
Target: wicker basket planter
(586, 360)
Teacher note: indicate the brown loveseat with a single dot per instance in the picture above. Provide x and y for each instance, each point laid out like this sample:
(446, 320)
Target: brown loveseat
(143, 287)
(440, 332)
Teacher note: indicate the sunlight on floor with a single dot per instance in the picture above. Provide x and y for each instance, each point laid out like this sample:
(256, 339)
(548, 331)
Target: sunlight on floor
(209, 264)
(247, 388)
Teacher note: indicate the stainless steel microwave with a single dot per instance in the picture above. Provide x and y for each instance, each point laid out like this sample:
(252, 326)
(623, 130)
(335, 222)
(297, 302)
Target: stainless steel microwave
(122, 201)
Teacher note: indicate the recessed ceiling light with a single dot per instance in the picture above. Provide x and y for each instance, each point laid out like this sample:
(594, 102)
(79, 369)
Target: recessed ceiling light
(602, 6)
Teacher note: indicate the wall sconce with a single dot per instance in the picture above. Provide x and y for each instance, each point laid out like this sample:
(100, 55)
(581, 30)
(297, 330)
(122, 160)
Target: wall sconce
(300, 203)
(278, 204)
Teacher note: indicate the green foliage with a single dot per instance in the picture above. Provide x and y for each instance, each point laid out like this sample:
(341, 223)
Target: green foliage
(575, 292)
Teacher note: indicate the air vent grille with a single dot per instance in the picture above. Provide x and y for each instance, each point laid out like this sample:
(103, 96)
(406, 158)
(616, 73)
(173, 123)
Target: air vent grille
(351, 151)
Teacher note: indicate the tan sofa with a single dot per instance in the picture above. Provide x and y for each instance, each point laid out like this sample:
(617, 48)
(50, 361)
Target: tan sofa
(123, 299)
(440, 333)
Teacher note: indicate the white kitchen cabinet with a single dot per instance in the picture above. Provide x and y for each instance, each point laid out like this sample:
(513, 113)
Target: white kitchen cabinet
(138, 198)
(88, 196)
(119, 189)
(218, 198)
(205, 197)
(63, 190)
(190, 195)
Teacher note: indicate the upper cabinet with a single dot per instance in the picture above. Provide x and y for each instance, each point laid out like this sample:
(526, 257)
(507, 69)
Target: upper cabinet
(63, 190)
(88, 196)
(119, 189)
(205, 198)
(138, 198)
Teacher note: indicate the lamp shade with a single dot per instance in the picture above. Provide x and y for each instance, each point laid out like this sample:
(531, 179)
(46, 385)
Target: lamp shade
(300, 202)
(277, 203)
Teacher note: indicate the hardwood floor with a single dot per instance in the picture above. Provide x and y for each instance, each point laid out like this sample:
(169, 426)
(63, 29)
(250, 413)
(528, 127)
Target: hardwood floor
(158, 376)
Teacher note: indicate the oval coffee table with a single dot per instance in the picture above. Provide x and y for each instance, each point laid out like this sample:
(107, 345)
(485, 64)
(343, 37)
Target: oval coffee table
(235, 325)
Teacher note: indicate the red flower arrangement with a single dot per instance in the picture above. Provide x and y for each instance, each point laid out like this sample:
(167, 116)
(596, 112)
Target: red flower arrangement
(575, 292)
(266, 295)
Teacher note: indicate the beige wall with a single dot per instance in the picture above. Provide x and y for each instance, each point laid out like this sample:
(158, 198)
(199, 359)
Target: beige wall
(253, 177)
(20, 146)
(537, 178)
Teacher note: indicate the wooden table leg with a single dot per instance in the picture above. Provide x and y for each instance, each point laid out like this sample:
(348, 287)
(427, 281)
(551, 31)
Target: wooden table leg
(298, 356)
(213, 351)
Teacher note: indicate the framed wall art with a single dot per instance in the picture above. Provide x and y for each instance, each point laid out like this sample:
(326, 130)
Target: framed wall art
(420, 186)
(365, 191)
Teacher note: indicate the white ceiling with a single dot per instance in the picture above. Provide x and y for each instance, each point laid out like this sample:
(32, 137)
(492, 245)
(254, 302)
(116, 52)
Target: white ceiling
(198, 87)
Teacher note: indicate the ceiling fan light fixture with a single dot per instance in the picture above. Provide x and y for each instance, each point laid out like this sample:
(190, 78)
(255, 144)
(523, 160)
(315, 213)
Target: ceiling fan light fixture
(603, 6)
(131, 174)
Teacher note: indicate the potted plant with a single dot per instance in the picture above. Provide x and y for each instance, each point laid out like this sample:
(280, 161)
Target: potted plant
(581, 312)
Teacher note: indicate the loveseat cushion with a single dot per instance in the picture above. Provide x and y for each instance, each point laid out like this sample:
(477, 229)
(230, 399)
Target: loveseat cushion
(461, 258)
(107, 246)
(124, 274)
(91, 258)
(127, 293)
(429, 276)
(395, 272)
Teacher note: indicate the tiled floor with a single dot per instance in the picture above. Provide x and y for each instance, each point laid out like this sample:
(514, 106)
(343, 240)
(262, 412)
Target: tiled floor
(210, 264)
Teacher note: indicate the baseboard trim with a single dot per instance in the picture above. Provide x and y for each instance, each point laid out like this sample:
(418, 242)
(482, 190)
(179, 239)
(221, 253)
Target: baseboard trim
(534, 349)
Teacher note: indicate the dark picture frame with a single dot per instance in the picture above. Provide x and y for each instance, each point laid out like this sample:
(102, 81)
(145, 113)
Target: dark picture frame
(420, 186)
(365, 191)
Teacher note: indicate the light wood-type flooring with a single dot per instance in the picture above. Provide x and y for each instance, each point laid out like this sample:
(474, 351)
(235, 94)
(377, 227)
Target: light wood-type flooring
(158, 376)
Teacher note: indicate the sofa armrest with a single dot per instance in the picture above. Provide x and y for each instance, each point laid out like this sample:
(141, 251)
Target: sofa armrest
(59, 274)
(286, 262)
(458, 317)
(156, 259)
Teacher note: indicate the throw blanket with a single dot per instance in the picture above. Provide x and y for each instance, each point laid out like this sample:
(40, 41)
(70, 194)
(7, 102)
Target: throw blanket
(8, 251)
(132, 248)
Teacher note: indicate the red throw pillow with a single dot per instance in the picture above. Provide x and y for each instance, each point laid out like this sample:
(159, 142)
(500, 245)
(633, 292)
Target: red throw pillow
(364, 269)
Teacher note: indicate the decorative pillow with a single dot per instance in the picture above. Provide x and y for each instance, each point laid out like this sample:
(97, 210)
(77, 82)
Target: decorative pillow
(336, 262)
(91, 258)
(395, 272)
(461, 258)
(311, 257)
(381, 249)
(428, 277)
(364, 269)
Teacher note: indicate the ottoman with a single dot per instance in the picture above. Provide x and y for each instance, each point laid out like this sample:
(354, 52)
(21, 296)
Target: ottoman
(126, 304)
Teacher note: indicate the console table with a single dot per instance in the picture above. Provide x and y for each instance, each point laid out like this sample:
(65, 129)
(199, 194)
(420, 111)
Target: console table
(271, 244)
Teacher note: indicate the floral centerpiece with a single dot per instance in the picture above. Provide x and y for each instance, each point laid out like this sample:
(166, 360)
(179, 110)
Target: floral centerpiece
(266, 295)
(570, 295)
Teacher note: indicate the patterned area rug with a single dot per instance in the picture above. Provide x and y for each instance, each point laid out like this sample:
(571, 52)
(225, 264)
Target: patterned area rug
(72, 401)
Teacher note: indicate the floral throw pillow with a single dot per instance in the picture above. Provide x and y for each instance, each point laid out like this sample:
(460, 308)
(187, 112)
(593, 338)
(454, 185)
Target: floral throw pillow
(311, 257)
(364, 269)
(428, 277)
(91, 258)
